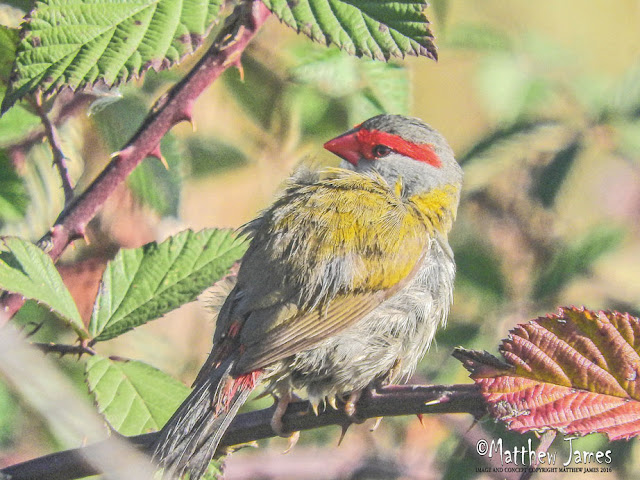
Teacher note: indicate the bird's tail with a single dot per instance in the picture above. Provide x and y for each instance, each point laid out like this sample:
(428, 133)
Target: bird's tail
(188, 441)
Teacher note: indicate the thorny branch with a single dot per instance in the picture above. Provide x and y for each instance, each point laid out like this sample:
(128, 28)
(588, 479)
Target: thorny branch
(392, 400)
(175, 106)
(59, 158)
(72, 103)
(63, 349)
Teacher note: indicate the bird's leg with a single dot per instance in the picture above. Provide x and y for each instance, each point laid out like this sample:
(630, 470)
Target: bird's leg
(282, 403)
(276, 421)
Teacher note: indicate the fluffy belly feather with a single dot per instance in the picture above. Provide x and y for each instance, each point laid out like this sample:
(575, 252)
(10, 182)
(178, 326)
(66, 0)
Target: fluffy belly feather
(385, 346)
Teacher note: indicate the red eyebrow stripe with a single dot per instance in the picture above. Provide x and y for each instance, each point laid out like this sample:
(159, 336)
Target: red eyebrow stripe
(423, 152)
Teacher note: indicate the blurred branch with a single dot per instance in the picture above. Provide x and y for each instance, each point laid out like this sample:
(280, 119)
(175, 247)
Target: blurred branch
(71, 102)
(546, 440)
(64, 349)
(59, 158)
(470, 438)
(173, 107)
(526, 218)
(392, 400)
(69, 417)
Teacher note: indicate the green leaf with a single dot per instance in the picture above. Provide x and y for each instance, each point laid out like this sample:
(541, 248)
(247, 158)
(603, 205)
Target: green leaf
(625, 97)
(13, 194)
(133, 396)
(575, 259)
(477, 37)
(441, 11)
(385, 89)
(210, 156)
(507, 84)
(379, 29)
(42, 184)
(367, 87)
(24, 5)
(517, 131)
(73, 44)
(549, 179)
(478, 267)
(11, 417)
(28, 271)
(157, 186)
(18, 122)
(320, 67)
(9, 38)
(258, 92)
(142, 284)
(521, 143)
(215, 470)
(628, 138)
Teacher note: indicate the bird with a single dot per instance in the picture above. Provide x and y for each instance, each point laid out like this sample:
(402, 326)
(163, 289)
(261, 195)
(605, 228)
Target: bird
(345, 280)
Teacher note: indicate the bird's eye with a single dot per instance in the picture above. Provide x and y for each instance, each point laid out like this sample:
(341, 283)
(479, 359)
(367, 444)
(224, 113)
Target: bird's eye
(381, 151)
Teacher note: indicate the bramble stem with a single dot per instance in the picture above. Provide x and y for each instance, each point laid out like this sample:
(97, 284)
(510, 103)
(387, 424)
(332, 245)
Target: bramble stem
(59, 158)
(392, 400)
(173, 107)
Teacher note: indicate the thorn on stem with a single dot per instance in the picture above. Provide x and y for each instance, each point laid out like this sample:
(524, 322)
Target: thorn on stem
(186, 115)
(344, 427)
(238, 65)
(122, 155)
(157, 153)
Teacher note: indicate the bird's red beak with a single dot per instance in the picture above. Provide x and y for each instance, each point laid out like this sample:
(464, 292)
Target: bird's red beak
(346, 146)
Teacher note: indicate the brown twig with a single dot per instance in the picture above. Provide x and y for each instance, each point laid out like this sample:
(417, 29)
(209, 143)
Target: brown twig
(175, 106)
(64, 349)
(393, 400)
(72, 102)
(59, 158)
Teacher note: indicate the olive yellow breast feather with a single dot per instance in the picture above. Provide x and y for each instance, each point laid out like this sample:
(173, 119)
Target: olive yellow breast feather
(325, 220)
(330, 221)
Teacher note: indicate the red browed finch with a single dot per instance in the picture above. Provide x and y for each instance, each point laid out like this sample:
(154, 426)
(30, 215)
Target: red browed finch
(347, 276)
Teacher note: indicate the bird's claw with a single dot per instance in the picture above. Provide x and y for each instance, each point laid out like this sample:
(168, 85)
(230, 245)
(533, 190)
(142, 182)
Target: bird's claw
(292, 440)
(376, 424)
(350, 404)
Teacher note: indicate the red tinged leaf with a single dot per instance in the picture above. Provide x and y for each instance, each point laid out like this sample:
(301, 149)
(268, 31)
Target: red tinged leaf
(575, 372)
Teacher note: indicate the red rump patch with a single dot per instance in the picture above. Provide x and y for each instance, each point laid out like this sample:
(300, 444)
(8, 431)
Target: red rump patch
(248, 381)
(234, 329)
(423, 152)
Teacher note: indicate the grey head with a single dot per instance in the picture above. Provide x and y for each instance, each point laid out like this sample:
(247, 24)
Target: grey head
(396, 147)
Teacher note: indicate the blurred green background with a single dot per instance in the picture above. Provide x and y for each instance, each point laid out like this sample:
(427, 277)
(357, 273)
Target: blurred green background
(541, 102)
